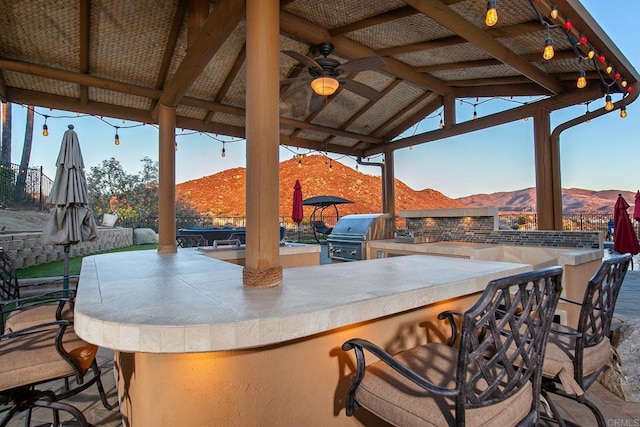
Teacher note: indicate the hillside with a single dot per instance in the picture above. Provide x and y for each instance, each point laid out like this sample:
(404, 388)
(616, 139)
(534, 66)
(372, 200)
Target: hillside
(223, 194)
(574, 200)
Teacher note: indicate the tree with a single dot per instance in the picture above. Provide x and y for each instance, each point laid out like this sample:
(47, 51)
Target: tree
(132, 197)
(26, 155)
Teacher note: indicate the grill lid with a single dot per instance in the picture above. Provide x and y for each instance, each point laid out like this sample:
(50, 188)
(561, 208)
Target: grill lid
(364, 227)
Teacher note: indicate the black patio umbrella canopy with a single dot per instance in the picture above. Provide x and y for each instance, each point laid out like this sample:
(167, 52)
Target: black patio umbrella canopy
(71, 221)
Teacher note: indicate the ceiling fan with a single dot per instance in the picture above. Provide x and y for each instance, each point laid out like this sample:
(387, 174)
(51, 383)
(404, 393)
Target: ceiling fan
(327, 74)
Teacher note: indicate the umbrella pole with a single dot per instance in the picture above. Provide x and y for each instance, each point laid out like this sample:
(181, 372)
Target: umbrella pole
(66, 268)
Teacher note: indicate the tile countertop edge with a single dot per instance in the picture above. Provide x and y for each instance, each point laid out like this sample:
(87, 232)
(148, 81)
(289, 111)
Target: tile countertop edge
(92, 321)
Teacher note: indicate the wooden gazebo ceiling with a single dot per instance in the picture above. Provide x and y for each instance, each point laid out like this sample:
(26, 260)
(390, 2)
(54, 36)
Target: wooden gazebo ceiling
(120, 59)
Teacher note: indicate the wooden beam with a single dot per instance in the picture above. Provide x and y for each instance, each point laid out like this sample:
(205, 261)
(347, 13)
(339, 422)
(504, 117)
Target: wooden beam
(500, 90)
(85, 38)
(314, 34)
(78, 78)
(383, 18)
(518, 113)
(172, 41)
(456, 23)
(197, 14)
(3, 87)
(413, 119)
(218, 26)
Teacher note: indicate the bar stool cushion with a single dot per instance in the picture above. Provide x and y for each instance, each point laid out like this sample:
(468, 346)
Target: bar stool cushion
(560, 354)
(33, 358)
(399, 401)
(37, 315)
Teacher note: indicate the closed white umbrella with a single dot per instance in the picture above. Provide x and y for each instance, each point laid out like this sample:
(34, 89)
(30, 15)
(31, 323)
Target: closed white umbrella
(71, 222)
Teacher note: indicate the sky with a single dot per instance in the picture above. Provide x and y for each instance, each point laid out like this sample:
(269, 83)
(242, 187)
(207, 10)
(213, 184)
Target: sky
(600, 155)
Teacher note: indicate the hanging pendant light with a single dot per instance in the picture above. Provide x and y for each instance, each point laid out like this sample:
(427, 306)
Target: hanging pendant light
(492, 14)
(608, 103)
(548, 49)
(623, 112)
(582, 79)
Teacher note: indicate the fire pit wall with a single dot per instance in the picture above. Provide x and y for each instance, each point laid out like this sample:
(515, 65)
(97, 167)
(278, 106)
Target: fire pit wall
(474, 234)
(26, 248)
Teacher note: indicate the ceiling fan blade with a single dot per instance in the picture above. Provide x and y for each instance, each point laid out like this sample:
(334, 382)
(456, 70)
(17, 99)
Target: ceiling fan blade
(361, 64)
(361, 89)
(294, 80)
(305, 60)
(316, 102)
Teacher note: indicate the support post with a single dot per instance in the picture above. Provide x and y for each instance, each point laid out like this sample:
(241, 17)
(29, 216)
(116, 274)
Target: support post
(262, 263)
(389, 190)
(167, 180)
(547, 164)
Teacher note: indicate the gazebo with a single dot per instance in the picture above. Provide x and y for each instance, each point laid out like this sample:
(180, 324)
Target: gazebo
(245, 69)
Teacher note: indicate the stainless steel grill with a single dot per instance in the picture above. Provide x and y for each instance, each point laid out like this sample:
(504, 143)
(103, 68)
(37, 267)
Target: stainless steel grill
(348, 240)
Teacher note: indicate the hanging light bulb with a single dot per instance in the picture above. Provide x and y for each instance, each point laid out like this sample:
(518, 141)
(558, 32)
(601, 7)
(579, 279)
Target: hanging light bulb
(608, 103)
(299, 162)
(591, 53)
(116, 139)
(623, 112)
(492, 14)
(441, 125)
(583, 39)
(623, 83)
(602, 59)
(582, 79)
(526, 119)
(617, 76)
(176, 145)
(224, 152)
(357, 167)
(568, 24)
(548, 49)
(609, 69)
(45, 128)
(475, 113)
(554, 12)
(330, 166)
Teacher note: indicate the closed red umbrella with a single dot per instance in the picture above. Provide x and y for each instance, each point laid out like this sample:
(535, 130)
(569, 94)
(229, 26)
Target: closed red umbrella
(626, 239)
(636, 208)
(297, 212)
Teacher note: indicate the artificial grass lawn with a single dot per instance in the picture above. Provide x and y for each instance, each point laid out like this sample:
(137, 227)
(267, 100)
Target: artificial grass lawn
(56, 268)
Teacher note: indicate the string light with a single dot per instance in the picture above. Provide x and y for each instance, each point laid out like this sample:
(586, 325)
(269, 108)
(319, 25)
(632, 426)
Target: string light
(554, 12)
(441, 125)
(492, 14)
(623, 83)
(582, 80)
(176, 145)
(609, 69)
(568, 24)
(623, 112)
(583, 39)
(224, 152)
(587, 113)
(608, 103)
(45, 128)
(330, 166)
(548, 49)
(117, 138)
(591, 53)
(475, 112)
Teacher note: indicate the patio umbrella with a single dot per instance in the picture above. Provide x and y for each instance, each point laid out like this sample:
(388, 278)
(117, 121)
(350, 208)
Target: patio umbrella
(636, 209)
(71, 222)
(296, 212)
(625, 237)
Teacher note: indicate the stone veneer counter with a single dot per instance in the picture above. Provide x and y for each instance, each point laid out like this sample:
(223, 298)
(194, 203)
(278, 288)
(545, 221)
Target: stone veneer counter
(186, 302)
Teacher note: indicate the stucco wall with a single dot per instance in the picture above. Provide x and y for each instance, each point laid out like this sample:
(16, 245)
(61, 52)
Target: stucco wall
(26, 249)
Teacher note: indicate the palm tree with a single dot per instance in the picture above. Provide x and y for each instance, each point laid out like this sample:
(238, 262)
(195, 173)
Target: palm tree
(26, 155)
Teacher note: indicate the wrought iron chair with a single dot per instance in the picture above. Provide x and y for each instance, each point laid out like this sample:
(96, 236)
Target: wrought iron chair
(576, 356)
(319, 227)
(45, 301)
(493, 378)
(33, 357)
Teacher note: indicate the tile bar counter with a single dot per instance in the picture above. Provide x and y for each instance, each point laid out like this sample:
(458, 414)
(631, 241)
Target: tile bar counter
(194, 347)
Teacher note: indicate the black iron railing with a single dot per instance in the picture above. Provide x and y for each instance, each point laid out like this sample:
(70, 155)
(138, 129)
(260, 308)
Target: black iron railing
(23, 188)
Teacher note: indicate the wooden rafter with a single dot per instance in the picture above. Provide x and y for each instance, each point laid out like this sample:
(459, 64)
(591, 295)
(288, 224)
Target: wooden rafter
(413, 118)
(85, 38)
(448, 18)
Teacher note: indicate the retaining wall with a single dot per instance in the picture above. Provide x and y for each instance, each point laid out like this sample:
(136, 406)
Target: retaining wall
(26, 248)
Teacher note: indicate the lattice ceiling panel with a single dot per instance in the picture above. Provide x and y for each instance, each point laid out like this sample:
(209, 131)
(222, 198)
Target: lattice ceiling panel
(117, 98)
(332, 14)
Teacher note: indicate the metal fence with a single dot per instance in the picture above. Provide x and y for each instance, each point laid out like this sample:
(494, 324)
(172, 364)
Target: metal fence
(23, 189)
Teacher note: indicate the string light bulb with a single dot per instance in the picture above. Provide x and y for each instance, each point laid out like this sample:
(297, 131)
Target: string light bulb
(623, 112)
(583, 39)
(624, 83)
(582, 79)
(224, 152)
(568, 24)
(45, 128)
(554, 12)
(591, 53)
(608, 103)
(441, 124)
(548, 49)
(609, 69)
(299, 162)
(492, 14)
(330, 166)
(475, 113)
(176, 145)
(116, 140)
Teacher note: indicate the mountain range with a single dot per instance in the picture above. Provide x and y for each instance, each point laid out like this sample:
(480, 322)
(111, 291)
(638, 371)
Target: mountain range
(223, 194)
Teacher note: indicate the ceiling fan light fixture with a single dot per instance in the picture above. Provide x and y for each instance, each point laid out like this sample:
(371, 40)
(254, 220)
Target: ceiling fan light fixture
(325, 86)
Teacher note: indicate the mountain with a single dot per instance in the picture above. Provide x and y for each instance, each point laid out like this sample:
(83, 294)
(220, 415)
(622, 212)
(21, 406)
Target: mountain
(223, 194)
(574, 200)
